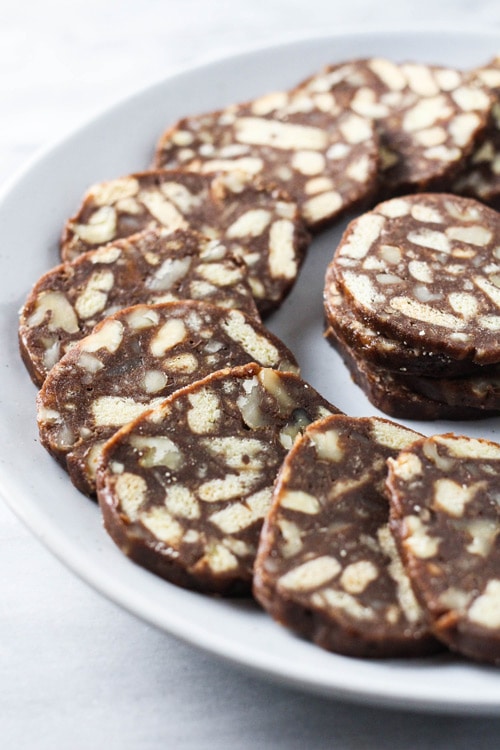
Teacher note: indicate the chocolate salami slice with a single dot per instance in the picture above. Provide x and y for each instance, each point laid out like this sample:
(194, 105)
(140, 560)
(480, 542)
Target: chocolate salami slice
(395, 394)
(257, 223)
(135, 359)
(424, 270)
(445, 516)
(327, 566)
(184, 488)
(311, 143)
(150, 267)
(343, 321)
(428, 117)
(480, 177)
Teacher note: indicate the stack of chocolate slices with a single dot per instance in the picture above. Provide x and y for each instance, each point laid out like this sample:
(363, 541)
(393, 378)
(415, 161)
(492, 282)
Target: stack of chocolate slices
(412, 300)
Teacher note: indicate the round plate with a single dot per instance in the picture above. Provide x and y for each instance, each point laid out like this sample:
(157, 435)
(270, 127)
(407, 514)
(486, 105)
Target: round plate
(33, 209)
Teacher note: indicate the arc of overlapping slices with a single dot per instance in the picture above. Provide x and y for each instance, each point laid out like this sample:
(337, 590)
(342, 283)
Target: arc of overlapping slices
(188, 417)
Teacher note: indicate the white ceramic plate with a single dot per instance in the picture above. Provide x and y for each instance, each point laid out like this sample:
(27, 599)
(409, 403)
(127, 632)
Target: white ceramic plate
(32, 212)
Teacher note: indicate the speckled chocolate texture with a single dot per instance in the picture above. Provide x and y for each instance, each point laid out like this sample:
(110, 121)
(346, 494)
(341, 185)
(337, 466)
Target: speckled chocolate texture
(429, 118)
(327, 565)
(148, 268)
(425, 270)
(258, 224)
(480, 176)
(444, 493)
(135, 359)
(343, 322)
(310, 142)
(184, 489)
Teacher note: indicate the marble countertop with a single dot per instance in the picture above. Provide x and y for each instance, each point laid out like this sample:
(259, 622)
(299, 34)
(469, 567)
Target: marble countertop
(75, 671)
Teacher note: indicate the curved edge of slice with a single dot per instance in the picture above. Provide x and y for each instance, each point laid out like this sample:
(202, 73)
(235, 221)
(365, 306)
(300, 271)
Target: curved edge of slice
(327, 567)
(258, 222)
(184, 488)
(314, 147)
(151, 267)
(342, 321)
(445, 519)
(391, 394)
(133, 359)
(422, 269)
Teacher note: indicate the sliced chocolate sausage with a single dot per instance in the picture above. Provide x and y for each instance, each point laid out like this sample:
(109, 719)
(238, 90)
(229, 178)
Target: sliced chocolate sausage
(445, 515)
(257, 223)
(378, 357)
(311, 143)
(425, 270)
(184, 489)
(428, 117)
(480, 177)
(344, 322)
(134, 359)
(394, 394)
(327, 566)
(150, 267)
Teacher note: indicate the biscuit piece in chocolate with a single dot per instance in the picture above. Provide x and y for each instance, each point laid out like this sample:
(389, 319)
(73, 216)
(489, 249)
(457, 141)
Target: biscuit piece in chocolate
(480, 177)
(395, 394)
(184, 489)
(425, 270)
(257, 223)
(428, 117)
(327, 566)
(148, 268)
(311, 143)
(445, 516)
(135, 359)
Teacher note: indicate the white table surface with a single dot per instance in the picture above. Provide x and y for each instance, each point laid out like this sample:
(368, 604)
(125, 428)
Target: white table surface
(76, 672)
